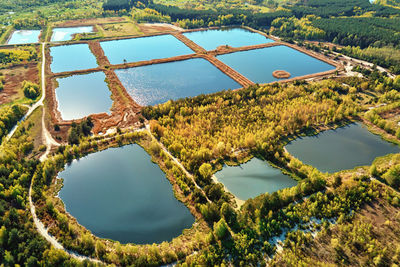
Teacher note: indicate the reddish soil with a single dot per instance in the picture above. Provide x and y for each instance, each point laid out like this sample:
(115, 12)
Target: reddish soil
(14, 76)
(281, 74)
(151, 29)
(89, 22)
(390, 113)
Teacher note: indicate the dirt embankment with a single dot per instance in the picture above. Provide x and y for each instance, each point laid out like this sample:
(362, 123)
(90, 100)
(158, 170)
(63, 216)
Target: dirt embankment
(281, 74)
(88, 22)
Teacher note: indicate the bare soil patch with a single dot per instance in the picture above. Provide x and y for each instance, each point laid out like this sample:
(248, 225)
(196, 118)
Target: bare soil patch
(89, 22)
(390, 113)
(14, 76)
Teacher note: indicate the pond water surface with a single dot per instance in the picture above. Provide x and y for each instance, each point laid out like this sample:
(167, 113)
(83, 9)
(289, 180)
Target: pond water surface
(79, 96)
(24, 37)
(234, 37)
(120, 194)
(66, 34)
(145, 48)
(155, 84)
(253, 178)
(71, 58)
(258, 64)
(341, 149)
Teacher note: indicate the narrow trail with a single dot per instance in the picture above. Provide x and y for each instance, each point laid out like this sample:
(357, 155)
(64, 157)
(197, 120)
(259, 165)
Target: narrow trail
(188, 174)
(49, 142)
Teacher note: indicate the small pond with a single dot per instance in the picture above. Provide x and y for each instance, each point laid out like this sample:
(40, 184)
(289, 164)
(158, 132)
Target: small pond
(155, 84)
(121, 195)
(341, 149)
(259, 64)
(24, 37)
(234, 37)
(66, 34)
(145, 48)
(72, 58)
(253, 178)
(79, 96)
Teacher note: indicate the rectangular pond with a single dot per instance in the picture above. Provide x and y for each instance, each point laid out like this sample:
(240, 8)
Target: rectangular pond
(24, 37)
(341, 149)
(253, 178)
(121, 195)
(66, 34)
(259, 64)
(71, 58)
(155, 84)
(233, 37)
(145, 48)
(79, 96)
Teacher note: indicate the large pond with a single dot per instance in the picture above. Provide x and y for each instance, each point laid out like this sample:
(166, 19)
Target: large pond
(120, 194)
(234, 37)
(155, 84)
(79, 96)
(253, 178)
(146, 48)
(24, 37)
(258, 64)
(66, 34)
(341, 149)
(72, 58)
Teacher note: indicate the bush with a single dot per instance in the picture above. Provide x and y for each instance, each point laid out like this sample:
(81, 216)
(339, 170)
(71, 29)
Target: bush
(31, 90)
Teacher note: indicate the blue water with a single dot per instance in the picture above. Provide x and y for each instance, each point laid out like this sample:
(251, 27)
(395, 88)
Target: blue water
(66, 34)
(24, 37)
(145, 48)
(155, 84)
(253, 178)
(79, 96)
(234, 37)
(71, 58)
(258, 65)
(341, 149)
(120, 194)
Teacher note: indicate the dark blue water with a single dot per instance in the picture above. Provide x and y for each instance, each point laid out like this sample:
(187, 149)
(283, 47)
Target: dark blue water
(253, 178)
(66, 34)
(341, 149)
(234, 37)
(79, 96)
(24, 37)
(258, 64)
(146, 48)
(155, 84)
(121, 195)
(71, 58)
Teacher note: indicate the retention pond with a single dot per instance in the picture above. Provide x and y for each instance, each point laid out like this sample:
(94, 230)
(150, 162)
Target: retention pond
(24, 37)
(66, 34)
(121, 195)
(155, 84)
(233, 37)
(72, 58)
(259, 64)
(253, 178)
(79, 96)
(341, 149)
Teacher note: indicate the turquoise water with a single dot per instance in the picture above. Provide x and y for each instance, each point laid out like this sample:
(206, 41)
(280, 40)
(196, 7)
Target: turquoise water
(155, 84)
(341, 149)
(66, 34)
(258, 64)
(145, 48)
(234, 37)
(79, 96)
(71, 58)
(24, 37)
(120, 194)
(253, 178)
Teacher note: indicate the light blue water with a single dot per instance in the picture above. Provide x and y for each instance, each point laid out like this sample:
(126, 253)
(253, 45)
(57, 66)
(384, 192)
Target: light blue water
(253, 178)
(234, 37)
(120, 194)
(79, 96)
(155, 84)
(341, 149)
(66, 34)
(258, 65)
(24, 37)
(145, 48)
(71, 58)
